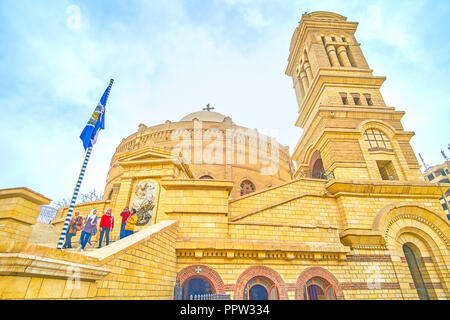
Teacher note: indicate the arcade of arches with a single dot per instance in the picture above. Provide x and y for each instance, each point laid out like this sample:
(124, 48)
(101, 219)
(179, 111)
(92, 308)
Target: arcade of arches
(260, 283)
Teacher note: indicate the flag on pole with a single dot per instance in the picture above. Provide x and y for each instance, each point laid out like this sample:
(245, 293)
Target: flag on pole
(89, 137)
(96, 122)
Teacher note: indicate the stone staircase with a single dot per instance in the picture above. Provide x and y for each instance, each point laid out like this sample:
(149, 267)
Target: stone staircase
(76, 247)
(48, 235)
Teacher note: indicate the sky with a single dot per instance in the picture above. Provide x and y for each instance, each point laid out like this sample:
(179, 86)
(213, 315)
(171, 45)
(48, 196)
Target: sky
(172, 57)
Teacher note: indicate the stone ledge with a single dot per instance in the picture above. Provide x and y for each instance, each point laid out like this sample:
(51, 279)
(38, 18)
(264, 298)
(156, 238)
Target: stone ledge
(197, 184)
(352, 237)
(259, 245)
(384, 187)
(25, 193)
(224, 212)
(287, 225)
(370, 286)
(31, 265)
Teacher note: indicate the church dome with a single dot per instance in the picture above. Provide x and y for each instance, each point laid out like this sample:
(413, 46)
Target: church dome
(221, 160)
(205, 116)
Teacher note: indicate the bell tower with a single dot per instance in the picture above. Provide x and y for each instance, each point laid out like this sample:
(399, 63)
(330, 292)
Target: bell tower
(349, 132)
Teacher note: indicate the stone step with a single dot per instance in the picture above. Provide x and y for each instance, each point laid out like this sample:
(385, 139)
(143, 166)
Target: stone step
(76, 247)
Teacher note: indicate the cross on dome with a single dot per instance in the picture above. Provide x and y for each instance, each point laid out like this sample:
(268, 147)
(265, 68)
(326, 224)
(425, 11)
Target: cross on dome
(208, 108)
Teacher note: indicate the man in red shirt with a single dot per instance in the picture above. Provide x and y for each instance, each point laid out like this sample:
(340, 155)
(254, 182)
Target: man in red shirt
(125, 214)
(106, 225)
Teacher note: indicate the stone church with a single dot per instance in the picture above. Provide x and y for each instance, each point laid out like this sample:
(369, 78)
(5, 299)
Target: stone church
(224, 210)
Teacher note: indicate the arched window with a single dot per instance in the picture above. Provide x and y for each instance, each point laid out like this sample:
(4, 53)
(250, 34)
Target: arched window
(206, 177)
(260, 288)
(247, 187)
(377, 140)
(319, 289)
(416, 272)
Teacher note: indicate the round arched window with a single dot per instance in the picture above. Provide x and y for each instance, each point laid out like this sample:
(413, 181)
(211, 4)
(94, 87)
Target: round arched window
(319, 289)
(206, 177)
(247, 187)
(377, 140)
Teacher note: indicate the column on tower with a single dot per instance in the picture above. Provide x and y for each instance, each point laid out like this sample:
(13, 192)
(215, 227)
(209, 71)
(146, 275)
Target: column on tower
(299, 90)
(304, 79)
(331, 50)
(307, 67)
(308, 70)
(343, 57)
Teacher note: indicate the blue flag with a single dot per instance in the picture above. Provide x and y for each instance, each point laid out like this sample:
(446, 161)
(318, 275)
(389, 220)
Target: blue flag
(96, 122)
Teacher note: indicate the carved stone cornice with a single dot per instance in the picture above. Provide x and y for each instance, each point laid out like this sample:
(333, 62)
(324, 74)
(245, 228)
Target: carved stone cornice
(259, 249)
(385, 188)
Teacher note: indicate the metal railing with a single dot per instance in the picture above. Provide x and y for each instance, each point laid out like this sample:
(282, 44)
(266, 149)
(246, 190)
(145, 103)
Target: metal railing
(47, 214)
(211, 296)
(323, 175)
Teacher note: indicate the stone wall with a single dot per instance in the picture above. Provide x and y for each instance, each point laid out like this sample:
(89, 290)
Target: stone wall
(141, 266)
(19, 210)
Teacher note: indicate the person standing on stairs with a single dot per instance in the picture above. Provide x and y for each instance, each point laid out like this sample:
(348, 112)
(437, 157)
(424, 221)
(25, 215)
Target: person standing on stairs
(131, 222)
(90, 228)
(106, 225)
(75, 225)
(125, 214)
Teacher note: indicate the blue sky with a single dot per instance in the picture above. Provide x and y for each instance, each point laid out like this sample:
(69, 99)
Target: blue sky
(170, 58)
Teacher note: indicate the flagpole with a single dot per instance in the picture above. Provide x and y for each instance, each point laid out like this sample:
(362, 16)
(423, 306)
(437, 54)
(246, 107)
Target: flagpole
(89, 138)
(74, 199)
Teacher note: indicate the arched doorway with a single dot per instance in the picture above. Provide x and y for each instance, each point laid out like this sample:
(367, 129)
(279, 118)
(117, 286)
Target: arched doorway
(260, 288)
(413, 258)
(213, 282)
(319, 289)
(196, 286)
(316, 168)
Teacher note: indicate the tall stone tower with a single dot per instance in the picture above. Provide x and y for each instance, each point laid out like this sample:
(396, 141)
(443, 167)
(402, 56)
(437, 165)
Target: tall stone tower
(348, 130)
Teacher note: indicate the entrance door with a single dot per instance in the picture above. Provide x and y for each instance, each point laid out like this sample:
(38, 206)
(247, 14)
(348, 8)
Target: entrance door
(196, 286)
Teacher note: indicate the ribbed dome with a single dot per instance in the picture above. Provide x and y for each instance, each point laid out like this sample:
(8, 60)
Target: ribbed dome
(205, 116)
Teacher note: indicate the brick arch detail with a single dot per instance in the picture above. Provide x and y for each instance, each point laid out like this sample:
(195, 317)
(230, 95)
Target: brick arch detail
(260, 271)
(318, 272)
(210, 274)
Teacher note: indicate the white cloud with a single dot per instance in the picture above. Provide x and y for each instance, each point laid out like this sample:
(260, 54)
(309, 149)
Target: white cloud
(255, 18)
